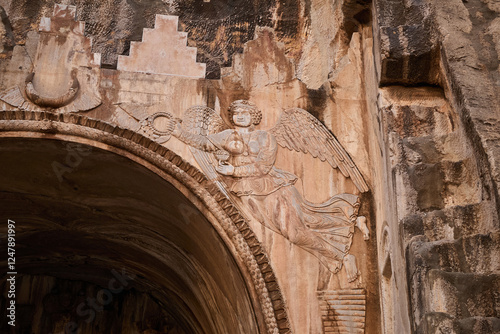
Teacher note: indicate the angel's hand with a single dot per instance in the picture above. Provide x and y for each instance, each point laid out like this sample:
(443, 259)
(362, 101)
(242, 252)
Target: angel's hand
(361, 224)
(225, 169)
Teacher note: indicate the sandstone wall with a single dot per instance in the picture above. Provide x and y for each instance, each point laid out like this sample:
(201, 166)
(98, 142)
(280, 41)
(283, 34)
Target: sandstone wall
(409, 88)
(442, 157)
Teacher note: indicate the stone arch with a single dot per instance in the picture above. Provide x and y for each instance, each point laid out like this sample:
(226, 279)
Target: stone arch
(265, 294)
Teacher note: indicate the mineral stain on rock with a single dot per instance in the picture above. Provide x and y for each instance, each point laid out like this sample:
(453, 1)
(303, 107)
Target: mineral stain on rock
(217, 28)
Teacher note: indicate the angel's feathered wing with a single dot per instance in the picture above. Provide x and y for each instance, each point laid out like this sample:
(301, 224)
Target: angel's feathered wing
(204, 121)
(300, 131)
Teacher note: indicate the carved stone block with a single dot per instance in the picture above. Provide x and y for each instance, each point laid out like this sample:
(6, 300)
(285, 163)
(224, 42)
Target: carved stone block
(64, 71)
(163, 50)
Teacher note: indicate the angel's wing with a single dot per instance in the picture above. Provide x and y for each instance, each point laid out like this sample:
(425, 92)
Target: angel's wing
(300, 131)
(204, 121)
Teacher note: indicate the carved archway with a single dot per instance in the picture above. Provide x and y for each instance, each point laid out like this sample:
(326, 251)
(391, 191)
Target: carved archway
(201, 198)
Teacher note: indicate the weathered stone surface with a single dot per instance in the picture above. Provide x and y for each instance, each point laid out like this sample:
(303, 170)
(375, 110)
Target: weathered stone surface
(450, 223)
(472, 77)
(218, 28)
(408, 88)
(408, 45)
(6, 37)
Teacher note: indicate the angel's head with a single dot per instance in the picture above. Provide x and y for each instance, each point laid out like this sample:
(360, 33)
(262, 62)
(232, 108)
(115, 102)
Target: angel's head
(244, 113)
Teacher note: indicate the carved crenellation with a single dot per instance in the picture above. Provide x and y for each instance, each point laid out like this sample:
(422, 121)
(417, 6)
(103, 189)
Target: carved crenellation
(163, 50)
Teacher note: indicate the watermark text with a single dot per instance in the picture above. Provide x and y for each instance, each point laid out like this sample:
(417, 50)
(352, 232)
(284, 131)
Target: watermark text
(11, 272)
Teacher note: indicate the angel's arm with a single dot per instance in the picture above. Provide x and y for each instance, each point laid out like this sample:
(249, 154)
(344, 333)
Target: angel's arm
(208, 143)
(264, 160)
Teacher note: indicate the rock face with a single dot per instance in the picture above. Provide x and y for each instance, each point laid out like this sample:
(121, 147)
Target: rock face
(353, 188)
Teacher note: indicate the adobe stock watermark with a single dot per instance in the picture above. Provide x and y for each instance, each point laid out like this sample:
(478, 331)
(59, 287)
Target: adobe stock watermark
(11, 265)
(91, 306)
(188, 213)
(74, 157)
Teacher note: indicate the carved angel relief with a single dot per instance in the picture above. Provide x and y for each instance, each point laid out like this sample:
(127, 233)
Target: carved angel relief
(240, 161)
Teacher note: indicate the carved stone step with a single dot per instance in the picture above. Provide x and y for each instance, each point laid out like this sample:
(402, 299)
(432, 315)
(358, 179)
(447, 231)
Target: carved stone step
(416, 112)
(408, 45)
(435, 186)
(477, 254)
(437, 323)
(434, 149)
(163, 50)
(460, 278)
(450, 223)
(460, 295)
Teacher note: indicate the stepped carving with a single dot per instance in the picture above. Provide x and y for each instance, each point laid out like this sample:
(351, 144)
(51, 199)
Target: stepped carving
(163, 50)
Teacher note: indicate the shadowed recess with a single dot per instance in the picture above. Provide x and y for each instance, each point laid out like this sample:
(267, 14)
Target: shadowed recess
(92, 225)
